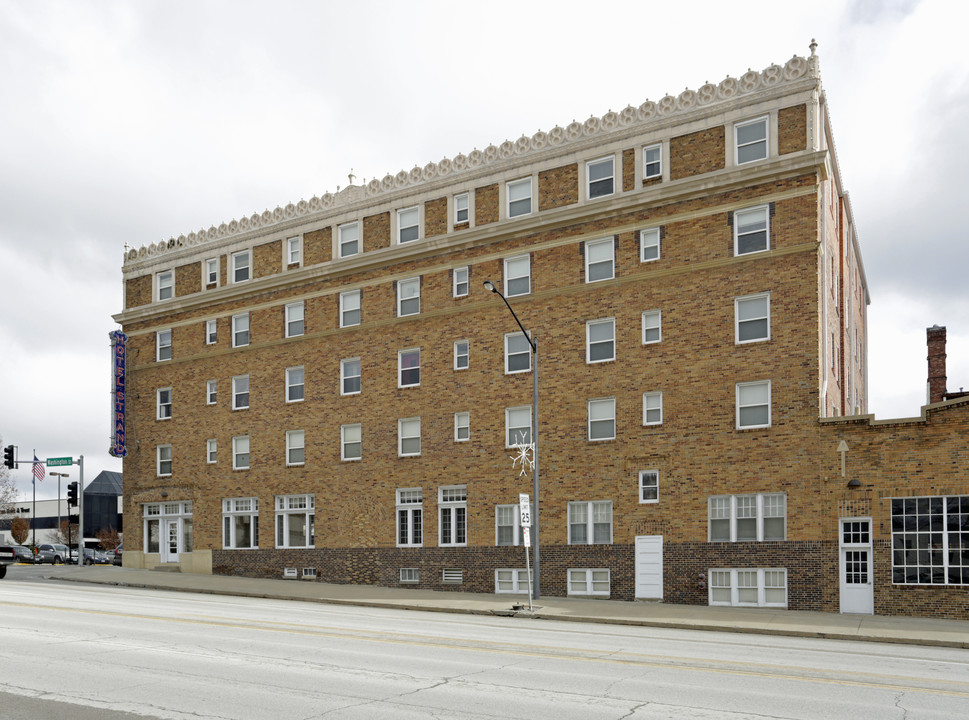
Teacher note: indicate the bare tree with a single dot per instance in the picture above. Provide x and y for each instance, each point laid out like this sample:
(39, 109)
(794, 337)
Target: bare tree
(67, 533)
(109, 538)
(19, 530)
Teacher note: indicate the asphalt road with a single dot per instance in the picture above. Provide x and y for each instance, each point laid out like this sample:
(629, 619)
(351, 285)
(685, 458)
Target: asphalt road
(77, 651)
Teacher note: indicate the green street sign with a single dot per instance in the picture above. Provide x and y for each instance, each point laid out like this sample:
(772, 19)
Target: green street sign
(59, 462)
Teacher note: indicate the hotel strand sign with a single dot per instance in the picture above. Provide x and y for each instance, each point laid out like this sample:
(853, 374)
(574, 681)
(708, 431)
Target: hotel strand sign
(118, 366)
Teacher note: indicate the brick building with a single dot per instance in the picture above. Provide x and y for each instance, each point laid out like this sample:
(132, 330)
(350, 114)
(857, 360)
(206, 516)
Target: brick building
(329, 387)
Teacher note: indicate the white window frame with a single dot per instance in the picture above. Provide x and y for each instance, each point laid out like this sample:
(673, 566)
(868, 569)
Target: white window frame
(648, 486)
(738, 215)
(452, 516)
(240, 330)
(650, 239)
(212, 269)
(462, 202)
(749, 300)
(240, 448)
(732, 581)
(289, 506)
(165, 285)
(408, 429)
(241, 262)
(745, 405)
(601, 411)
(294, 250)
(461, 282)
(211, 391)
(211, 451)
(588, 509)
(516, 265)
(652, 320)
(293, 382)
(401, 298)
(511, 581)
(517, 338)
(513, 188)
(344, 376)
(415, 225)
(513, 440)
(351, 435)
(343, 242)
(164, 460)
(590, 344)
(163, 345)
(409, 352)
(658, 162)
(295, 318)
(410, 507)
(590, 578)
(611, 243)
(508, 512)
(348, 300)
(163, 403)
(238, 392)
(462, 354)
(763, 120)
(211, 332)
(462, 426)
(295, 446)
(611, 159)
(653, 408)
(756, 509)
(234, 509)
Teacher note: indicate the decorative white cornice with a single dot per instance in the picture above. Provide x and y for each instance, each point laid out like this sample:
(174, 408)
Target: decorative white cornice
(686, 102)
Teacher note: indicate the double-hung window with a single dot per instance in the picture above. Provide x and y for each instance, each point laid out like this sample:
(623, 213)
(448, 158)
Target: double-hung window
(752, 318)
(652, 161)
(164, 455)
(507, 525)
(295, 519)
(653, 408)
(240, 452)
(294, 250)
(462, 426)
(600, 260)
(519, 195)
(295, 447)
(751, 140)
(461, 280)
(165, 282)
(295, 384)
(409, 437)
(649, 244)
(240, 523)
(590, 523)
(409, 368)
(747, 518)
(164, 404)
(211, 451)
(240, 266)
(518, 425)
(408, 225)
(751, 229)
(240, 330)
(409, 297)
(600, 340)
(211, 331)
(350, 308)
(602, 419)
(452, 503)
(649, 486)
(295, 319)
(753, 404)
(348, 236)
(601, 177)
(211, 394)
(240, 392)
(518, 276)
(410, 511)
(461, 355)
(518, 353)
(212, 271)
(351, 441)
(350, 376)
(652, 327)
(462, 208)
(163, 345)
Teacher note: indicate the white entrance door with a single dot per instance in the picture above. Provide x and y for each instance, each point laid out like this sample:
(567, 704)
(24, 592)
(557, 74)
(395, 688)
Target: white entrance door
(855, 567)
(169, 541)
(649, 567)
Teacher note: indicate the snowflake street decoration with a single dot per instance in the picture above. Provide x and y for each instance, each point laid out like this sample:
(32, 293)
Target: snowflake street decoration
(525, 456)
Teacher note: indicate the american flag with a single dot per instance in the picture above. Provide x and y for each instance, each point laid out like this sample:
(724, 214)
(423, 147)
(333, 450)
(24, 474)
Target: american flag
(39, 470)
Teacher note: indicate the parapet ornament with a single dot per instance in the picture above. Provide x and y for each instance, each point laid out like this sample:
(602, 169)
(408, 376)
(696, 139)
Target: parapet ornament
(794, 69)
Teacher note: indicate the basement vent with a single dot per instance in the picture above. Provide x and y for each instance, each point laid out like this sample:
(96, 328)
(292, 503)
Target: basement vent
(408, 575)
(309, 573)
(453, 576)
(290, 573)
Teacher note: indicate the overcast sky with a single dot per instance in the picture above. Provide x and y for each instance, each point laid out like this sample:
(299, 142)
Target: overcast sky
(133, 122)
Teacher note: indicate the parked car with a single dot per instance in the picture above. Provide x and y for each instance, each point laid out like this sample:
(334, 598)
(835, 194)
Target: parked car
(89, 556)
(57, 551)
(44, 554)
(22, 554)
(116, 560)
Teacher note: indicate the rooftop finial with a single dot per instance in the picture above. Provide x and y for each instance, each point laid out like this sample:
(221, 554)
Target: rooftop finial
(352, 176)
(813, 46)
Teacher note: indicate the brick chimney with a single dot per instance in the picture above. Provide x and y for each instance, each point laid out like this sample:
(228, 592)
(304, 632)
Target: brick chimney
(935, 339)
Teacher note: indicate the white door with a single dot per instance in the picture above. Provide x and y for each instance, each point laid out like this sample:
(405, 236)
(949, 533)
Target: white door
(855, 566)
(649, 567)
(169, 541)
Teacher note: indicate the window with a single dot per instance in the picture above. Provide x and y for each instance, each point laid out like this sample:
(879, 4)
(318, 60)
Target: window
(518, 425)
(589, 581)
(930, 540)
(240, 330)
(461, 280)
(295, 518)
(751, 230)
(211, 331)
(518, 353)
(599, 260)
(295, 324)
(351, 447)
(409, 437)
(240, 452)
(350, 376)
(652, 161)
(409, 576)
(295, 384)
(164, 403)
(461, 355)
(511, 580)
(519, 195)
(240, 266)
(462, 208)
(518, 279)
(452, 505)
(751, 138)
(166, 285)
(600, 340)
(164, 460)
(163, 345)
(653, 408)
(648, 486)
(747, 518)
(601, 177)
(410, 505)
(409, 368)
(349, 239)
(294, 250)
(753, 404)
(590, 523)
(752, 318)
(649, 244)
(755, 587)
(240, 392)
(210, 392)
(408, 297)
(211, 451)
(212, 271)
(602, 419)
(462, 426)
(408, 228)
(507, 525)
(240, 523)
(350, 309)
(295, 447)
(652, 327)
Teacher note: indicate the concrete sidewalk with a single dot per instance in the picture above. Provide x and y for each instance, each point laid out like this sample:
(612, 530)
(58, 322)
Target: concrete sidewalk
(915, 631)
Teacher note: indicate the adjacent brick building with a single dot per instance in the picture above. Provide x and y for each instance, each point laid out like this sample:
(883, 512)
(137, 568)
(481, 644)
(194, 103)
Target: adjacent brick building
(328, 387)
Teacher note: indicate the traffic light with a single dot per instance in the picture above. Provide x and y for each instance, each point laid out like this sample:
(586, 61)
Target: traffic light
(8, 460)
(72, 494)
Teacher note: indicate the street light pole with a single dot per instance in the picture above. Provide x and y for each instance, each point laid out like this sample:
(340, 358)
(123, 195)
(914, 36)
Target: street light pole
(60, 475)
(533, 344)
